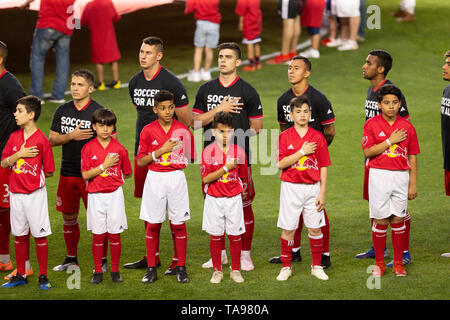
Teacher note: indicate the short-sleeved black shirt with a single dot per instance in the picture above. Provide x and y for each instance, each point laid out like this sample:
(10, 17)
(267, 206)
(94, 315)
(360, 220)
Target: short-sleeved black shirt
(10, 91)
(371, 105)
(142, 92)
(445, 126)
(66, 118)
(322, 113)
(211, 94)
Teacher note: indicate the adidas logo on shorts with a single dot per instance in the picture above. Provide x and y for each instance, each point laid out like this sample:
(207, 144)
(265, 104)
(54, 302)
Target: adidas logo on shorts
(186, 214)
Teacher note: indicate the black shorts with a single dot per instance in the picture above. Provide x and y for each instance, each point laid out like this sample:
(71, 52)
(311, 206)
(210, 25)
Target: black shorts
(289, 9)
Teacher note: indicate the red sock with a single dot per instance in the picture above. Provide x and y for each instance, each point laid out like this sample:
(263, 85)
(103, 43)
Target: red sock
(298, 233)
(215, 248)
(326, 233)
(316, 244)
(235, 251)
(152, 242)
(398, 239)
(379, 241)
(180, 243)
(42, 254)
(5, 230)
(27, 242)
(249, 221)
(105, 247)
(98, 241)
(157, 248)
(71, 231)
(20, 247)
(116, 249)
(286, 252)
(408, 230)
(175, 257)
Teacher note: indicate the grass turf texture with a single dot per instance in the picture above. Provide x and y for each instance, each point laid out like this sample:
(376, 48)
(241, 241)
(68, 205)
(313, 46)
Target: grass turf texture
(417, 48)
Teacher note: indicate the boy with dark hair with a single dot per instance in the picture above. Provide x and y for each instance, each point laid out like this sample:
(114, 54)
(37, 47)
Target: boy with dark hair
(390, 144)
(302, 155)
(105, 165)
(223, 165)
(29, 156)
(166, 146)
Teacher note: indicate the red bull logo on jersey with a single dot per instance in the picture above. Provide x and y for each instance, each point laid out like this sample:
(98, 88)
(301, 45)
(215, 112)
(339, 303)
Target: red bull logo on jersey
(169, 158)
(23, 167)
(109, 172)
(227, 177)
(305, 163)
(395, 150)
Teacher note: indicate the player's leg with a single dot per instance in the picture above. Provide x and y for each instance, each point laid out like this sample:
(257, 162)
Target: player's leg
(326, 261)
(62, 55)
(100, 85)
(251, 58)
(215, 248)
(151, 244)
(398, 229)
(235, 227)
(115, 83)
(257, 48)
(247, 198)
(210, 43)
(42, 258)
(316, 244)
(295, 36)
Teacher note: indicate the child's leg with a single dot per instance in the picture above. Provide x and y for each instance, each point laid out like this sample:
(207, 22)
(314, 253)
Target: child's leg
(97, 250)
(298, 234)
(42, 254)
(115, 70)
(235, 251)
(209, 57)
(286, 243)
(249, 220)
(71, 230)
(175, 256)
(105, 247)
(398, 237)
(198, 53)
(152, 242)
(20, 245)
(116, 249)
(180, 243)
(379, 230)
(316, 244)
(215, 249)
(99, 69)
(326, 233)
(408, 230)
(251, 53)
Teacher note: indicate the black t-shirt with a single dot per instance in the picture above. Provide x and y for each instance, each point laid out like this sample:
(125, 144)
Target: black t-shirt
(445, 126)
(211, 94)
(10, 91)
(143, 91)
(321, 110)
(66, 118)
(371, 105)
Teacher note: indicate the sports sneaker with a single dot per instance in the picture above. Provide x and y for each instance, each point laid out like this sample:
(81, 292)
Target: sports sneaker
(208, 264)
(406, 259)
(310, 53)
(194, 76)
(296, 257)
(370, 254)
(140, 264)
(104, 266)
(171, 271)
(333, 43)
(44, 284)
(15, 281)
(399, 270)
(68, 261)
(97, 277)
(348, 45)
(249, 68)
(54, 100)
(317, 271)
(28, 272)
(116, 277)
(246, 261)
(6, 266)
(216, 277)
(114, 84)
(325, 41)
(205, 75)
(236, 276)
(258, 65)
(446, 255)
(326, 261)
(150, 276)
(279, 59)
(285, 273)
(100, 86)
(379, 269)
(182, 276)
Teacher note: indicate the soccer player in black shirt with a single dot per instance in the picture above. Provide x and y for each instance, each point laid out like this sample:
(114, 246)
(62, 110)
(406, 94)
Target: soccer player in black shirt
(10, 91)
(232, 94)
(143, 87)
(375, 69)
(445, 127)
(322, 119)
(71, 128)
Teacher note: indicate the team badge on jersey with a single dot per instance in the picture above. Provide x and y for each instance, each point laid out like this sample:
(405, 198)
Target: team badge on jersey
(306, 163)
(21, 166)
(395, 150)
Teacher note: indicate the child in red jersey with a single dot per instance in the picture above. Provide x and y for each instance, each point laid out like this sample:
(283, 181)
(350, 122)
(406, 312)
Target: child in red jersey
(390, 143)
(166, 146)
(223, 165)
(250, 23)
(29, 156)
(303, 158)
(105, 165)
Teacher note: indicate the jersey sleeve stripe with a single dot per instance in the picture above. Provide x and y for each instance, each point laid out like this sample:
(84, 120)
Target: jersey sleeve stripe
(256, 117)
(184, 106)
(197, 111)
(328, 121)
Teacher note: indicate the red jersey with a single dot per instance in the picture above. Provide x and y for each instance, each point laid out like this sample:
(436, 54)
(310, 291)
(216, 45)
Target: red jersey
(250, 10)
(230, 184)
(307, 168)
(93, 154)
(153, 138)
(28, 174)
(204, 10)
(377, 130)
(57, 14)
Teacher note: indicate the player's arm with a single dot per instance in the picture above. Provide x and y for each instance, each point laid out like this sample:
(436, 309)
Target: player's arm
(227, 105)
(214, 176)
(321, 198)
(168, 146)
(412, 188)
(396, 136)
(307, 148)
(57, 139)
(256, 126)
(108, 163)
(184, 116)
(24, 152)
(329, 132)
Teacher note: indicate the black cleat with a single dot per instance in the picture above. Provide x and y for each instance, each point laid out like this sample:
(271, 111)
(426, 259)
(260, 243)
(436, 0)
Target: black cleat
(116, 277)
(326, 262)
(68, 261)
(97, 277)
(170, 271)
(296, 257)
(181, 273)
(150, 276)
(140, 264)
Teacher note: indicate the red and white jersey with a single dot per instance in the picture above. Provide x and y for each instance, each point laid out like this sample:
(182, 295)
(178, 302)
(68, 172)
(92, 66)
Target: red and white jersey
(230, 184)
(377, 130)
(307, 168)
(93, 154)
(153, 138)
(28, 174)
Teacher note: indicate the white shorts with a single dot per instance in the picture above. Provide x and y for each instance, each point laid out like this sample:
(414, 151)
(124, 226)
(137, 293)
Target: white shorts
(206, 34)
(224, 214)
(297, 199)
(345, 8)
(388, 193)
(165, 191)
(29, 212)
(106, 212)
(253, 41)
